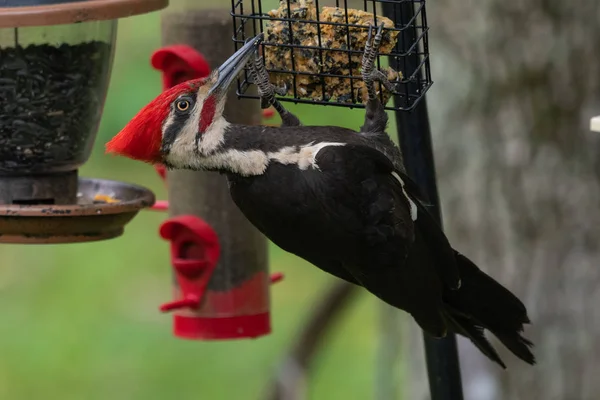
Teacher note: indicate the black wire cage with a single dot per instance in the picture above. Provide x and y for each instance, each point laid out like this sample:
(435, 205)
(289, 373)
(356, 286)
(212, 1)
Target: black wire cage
(315, 50)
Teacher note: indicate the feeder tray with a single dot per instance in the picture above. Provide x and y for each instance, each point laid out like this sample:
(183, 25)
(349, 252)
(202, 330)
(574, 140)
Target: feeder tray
(102, 210)
(56, 58)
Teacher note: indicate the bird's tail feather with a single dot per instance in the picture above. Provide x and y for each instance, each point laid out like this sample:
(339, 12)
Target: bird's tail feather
(482, 303)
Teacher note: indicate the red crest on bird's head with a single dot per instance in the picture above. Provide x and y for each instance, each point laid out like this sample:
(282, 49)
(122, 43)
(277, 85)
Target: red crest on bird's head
(175, 125)
(141, 138)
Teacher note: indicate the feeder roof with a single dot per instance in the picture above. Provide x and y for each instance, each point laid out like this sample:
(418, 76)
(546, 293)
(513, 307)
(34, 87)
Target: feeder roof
(19, 13)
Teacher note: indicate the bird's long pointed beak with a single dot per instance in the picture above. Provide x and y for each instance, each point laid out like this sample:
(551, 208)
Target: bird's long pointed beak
(231, 68)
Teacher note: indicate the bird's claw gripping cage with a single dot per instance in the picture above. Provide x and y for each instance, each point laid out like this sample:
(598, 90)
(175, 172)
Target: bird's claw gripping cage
(315, 48)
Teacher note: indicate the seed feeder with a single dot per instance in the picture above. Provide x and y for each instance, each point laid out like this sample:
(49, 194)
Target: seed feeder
(55, 62)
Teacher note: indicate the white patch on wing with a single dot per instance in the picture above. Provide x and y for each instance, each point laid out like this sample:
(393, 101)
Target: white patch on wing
(318, 147)
(304, 156)
(413, 206)
(286, 155)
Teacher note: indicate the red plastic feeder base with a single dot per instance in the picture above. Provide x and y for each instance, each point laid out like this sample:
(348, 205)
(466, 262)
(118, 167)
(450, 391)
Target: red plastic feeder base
(242, 326)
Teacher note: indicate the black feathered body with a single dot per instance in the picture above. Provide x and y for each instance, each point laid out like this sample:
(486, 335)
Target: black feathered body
(336, 213)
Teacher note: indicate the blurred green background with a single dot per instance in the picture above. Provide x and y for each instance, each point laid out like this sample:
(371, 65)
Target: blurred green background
(81, 321)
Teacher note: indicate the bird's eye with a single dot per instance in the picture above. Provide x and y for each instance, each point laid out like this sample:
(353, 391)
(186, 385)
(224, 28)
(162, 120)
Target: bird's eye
(183, 105)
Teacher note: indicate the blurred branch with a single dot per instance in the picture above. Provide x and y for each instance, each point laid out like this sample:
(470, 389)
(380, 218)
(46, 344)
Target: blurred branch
(288, 384)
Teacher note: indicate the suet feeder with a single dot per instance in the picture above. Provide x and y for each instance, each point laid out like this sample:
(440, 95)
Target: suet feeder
(314, 51)
(55, 63)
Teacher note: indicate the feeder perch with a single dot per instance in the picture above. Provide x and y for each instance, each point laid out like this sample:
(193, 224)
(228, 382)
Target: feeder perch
(55, 63)
(179, 63)
(233, 311)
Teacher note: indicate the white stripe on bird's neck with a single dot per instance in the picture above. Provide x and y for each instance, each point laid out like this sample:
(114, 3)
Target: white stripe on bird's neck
(255, 162)
(185, 149)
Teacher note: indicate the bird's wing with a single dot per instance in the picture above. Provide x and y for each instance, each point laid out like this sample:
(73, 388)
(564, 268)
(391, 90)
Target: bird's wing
(432, 233)
(393, 206)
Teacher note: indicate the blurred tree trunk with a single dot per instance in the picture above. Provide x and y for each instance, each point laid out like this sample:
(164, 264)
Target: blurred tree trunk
(516, 84)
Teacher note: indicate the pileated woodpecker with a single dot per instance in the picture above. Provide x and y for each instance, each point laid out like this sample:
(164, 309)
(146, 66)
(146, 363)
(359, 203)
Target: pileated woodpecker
(338, 198)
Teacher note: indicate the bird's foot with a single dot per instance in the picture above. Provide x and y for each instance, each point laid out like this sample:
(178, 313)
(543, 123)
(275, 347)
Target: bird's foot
(369, 73)
(267, 91)
(260, 77)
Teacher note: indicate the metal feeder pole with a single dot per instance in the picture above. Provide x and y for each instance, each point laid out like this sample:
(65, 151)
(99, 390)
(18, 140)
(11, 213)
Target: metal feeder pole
(414, 135)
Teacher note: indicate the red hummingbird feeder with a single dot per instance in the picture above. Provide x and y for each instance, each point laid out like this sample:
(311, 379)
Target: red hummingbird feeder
(55, 63)
(213, 299)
